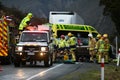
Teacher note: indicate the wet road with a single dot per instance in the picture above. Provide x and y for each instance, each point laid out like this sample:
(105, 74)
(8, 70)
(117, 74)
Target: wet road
(40, 72)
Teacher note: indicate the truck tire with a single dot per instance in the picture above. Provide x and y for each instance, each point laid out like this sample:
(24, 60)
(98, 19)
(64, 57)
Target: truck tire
(17, 61)
(23, 63)
(48, 61)
(17, 64)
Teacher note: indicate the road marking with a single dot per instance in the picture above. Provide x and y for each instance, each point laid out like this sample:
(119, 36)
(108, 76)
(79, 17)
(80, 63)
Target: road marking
(43, 72)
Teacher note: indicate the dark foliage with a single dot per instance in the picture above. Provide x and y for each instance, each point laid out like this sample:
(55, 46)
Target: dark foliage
(18, 15)
(112, 8)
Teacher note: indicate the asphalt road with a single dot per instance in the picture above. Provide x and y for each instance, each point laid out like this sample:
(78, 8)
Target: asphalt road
(39, 72)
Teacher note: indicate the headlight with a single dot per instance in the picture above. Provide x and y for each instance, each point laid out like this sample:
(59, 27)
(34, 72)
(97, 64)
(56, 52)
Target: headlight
(43, 48)
(19, 48)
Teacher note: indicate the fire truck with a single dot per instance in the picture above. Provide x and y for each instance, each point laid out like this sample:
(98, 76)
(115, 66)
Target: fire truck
(5, 42)
(34, 46)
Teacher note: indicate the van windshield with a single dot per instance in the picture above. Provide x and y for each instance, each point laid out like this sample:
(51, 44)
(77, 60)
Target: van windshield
(33, 37)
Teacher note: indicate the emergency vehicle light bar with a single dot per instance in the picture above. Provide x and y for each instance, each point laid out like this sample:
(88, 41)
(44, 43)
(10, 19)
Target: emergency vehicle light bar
(38, 28)
(43, 28)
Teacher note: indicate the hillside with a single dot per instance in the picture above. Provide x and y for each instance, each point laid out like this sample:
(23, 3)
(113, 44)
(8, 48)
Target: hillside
(89, 10)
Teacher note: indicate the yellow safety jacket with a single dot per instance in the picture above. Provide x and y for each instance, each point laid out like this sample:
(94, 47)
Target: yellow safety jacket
(62, 43)
(67, 44)
(100, 45)
(92, 43)
(23, 23)
(72, 43)
(107, 44)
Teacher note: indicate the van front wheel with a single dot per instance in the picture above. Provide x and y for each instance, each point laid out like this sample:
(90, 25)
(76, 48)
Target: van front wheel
(48, 61)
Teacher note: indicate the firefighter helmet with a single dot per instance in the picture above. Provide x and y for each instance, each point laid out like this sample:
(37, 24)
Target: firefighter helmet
(30, 14)
(62, 36)
(90, 35)
(105, 35)
(99, 35)
(70, 34)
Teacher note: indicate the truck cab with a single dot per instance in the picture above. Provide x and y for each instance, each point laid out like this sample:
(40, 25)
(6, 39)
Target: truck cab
(33, 46)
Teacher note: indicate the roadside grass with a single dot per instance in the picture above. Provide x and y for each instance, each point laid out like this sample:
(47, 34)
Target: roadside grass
(110, 74)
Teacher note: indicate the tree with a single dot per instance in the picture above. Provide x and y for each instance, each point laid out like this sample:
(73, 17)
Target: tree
(112, 8)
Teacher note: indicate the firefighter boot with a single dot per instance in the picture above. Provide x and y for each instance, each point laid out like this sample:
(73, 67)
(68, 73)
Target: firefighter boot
(73, 56)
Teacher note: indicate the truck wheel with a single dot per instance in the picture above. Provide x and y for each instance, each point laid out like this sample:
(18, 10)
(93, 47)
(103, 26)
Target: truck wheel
(48, 61)
(17, 64)
(23, 63)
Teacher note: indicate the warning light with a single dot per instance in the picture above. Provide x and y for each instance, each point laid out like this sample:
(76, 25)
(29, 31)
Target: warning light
(31, 28)
(39, 28)
(43, 28)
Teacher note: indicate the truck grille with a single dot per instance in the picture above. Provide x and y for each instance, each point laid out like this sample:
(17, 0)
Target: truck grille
(31, 48)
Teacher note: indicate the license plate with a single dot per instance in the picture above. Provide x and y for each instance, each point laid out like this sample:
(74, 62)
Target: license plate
(31, 53)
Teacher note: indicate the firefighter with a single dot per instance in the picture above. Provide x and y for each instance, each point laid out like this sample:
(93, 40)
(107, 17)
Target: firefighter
(62, 43)
(55, 46)
(98, 37)
(61, 48)
(25, 22)
(92, 43)
(106, 47)
(55, 41)
(100, 48)
(72, 43)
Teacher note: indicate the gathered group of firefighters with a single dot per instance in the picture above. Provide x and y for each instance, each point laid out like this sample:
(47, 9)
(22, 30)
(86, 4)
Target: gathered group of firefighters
(99, 47)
